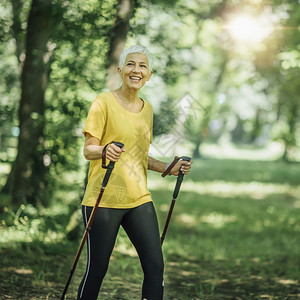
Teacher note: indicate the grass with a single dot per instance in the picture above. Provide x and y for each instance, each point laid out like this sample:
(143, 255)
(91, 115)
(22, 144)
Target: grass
(234, 234)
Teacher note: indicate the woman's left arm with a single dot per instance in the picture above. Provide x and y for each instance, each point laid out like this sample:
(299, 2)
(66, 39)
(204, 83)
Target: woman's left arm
(159, 166)
(156, 165)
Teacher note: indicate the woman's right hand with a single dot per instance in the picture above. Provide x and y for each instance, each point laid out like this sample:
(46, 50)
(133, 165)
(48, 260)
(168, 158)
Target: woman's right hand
(93, 151)
(113, 152)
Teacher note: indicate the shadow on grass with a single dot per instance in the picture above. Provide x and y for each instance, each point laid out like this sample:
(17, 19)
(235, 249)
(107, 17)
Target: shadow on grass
(224, 279)
(34, 270)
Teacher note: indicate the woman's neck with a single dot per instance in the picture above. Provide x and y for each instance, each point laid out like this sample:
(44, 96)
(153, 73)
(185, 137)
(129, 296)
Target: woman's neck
(128, 95)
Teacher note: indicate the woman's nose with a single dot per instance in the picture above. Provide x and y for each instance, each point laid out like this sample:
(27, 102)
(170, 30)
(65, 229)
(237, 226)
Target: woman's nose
(137, 69)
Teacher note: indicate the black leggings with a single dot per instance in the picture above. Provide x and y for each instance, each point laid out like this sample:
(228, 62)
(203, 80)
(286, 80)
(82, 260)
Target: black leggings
(140, 224)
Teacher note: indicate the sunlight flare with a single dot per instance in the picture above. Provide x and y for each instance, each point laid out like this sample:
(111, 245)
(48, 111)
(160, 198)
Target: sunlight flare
(248, 29)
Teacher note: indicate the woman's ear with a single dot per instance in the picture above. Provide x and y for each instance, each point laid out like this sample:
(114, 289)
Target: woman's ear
(120, 72)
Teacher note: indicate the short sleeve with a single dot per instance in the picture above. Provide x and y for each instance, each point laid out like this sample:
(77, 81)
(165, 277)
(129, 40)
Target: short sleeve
(96, 120)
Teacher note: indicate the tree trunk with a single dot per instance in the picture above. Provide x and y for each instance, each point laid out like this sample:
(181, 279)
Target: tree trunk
(28, 175)
(125, 11)
(257, 126)
(290, 139)
(196, 152)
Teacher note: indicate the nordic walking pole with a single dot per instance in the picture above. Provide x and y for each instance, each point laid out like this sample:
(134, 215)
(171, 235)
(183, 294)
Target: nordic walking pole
(175, 193)
(109, 168)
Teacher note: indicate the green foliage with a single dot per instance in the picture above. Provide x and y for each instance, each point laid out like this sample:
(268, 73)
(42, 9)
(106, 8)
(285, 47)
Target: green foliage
(9, 84)
(281, 73)
(77, 76)
(165, 120)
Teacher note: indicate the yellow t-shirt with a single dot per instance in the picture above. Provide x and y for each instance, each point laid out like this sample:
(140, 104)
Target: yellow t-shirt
(109, 121)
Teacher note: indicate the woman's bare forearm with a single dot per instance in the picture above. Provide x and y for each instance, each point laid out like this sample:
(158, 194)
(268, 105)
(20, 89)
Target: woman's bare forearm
(92, 152)
(156, 165)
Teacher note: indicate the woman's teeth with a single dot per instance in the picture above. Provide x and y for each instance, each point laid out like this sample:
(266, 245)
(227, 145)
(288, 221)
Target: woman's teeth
(135, 78)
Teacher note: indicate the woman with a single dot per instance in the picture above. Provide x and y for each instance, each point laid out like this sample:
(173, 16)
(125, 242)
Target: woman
(124, 117)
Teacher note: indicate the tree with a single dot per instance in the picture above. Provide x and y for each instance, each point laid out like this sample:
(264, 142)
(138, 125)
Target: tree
(27, 181)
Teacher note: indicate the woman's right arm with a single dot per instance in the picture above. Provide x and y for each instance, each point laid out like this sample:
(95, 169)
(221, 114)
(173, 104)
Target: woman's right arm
(93, 151)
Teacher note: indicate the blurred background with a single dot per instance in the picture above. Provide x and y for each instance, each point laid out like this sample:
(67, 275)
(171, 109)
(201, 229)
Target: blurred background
(225, 90)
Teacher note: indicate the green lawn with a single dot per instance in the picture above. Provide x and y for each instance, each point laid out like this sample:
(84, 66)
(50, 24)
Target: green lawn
(234, 234)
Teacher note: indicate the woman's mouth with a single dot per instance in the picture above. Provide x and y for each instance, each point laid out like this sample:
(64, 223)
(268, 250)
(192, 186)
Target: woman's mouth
(135, 78)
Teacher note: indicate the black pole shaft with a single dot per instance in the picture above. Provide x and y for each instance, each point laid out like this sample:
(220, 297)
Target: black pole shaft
(175, 194)
(167, 221)
(178, 184)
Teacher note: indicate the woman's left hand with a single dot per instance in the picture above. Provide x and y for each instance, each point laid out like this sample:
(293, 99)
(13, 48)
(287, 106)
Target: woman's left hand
(182, 165)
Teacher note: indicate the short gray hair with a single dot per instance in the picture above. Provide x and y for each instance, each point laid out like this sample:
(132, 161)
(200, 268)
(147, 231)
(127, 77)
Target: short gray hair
(135, 49)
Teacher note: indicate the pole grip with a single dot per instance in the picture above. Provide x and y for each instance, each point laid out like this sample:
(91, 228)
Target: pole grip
(121, 145)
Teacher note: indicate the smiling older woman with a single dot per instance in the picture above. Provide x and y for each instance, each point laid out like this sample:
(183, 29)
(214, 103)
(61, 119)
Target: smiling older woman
(121, 115)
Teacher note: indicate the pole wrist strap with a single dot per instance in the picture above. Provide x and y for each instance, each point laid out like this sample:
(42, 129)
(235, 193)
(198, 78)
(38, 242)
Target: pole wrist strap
(104, 166)
(170, 167)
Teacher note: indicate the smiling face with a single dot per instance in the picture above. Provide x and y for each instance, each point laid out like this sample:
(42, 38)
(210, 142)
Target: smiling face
(135, 72)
